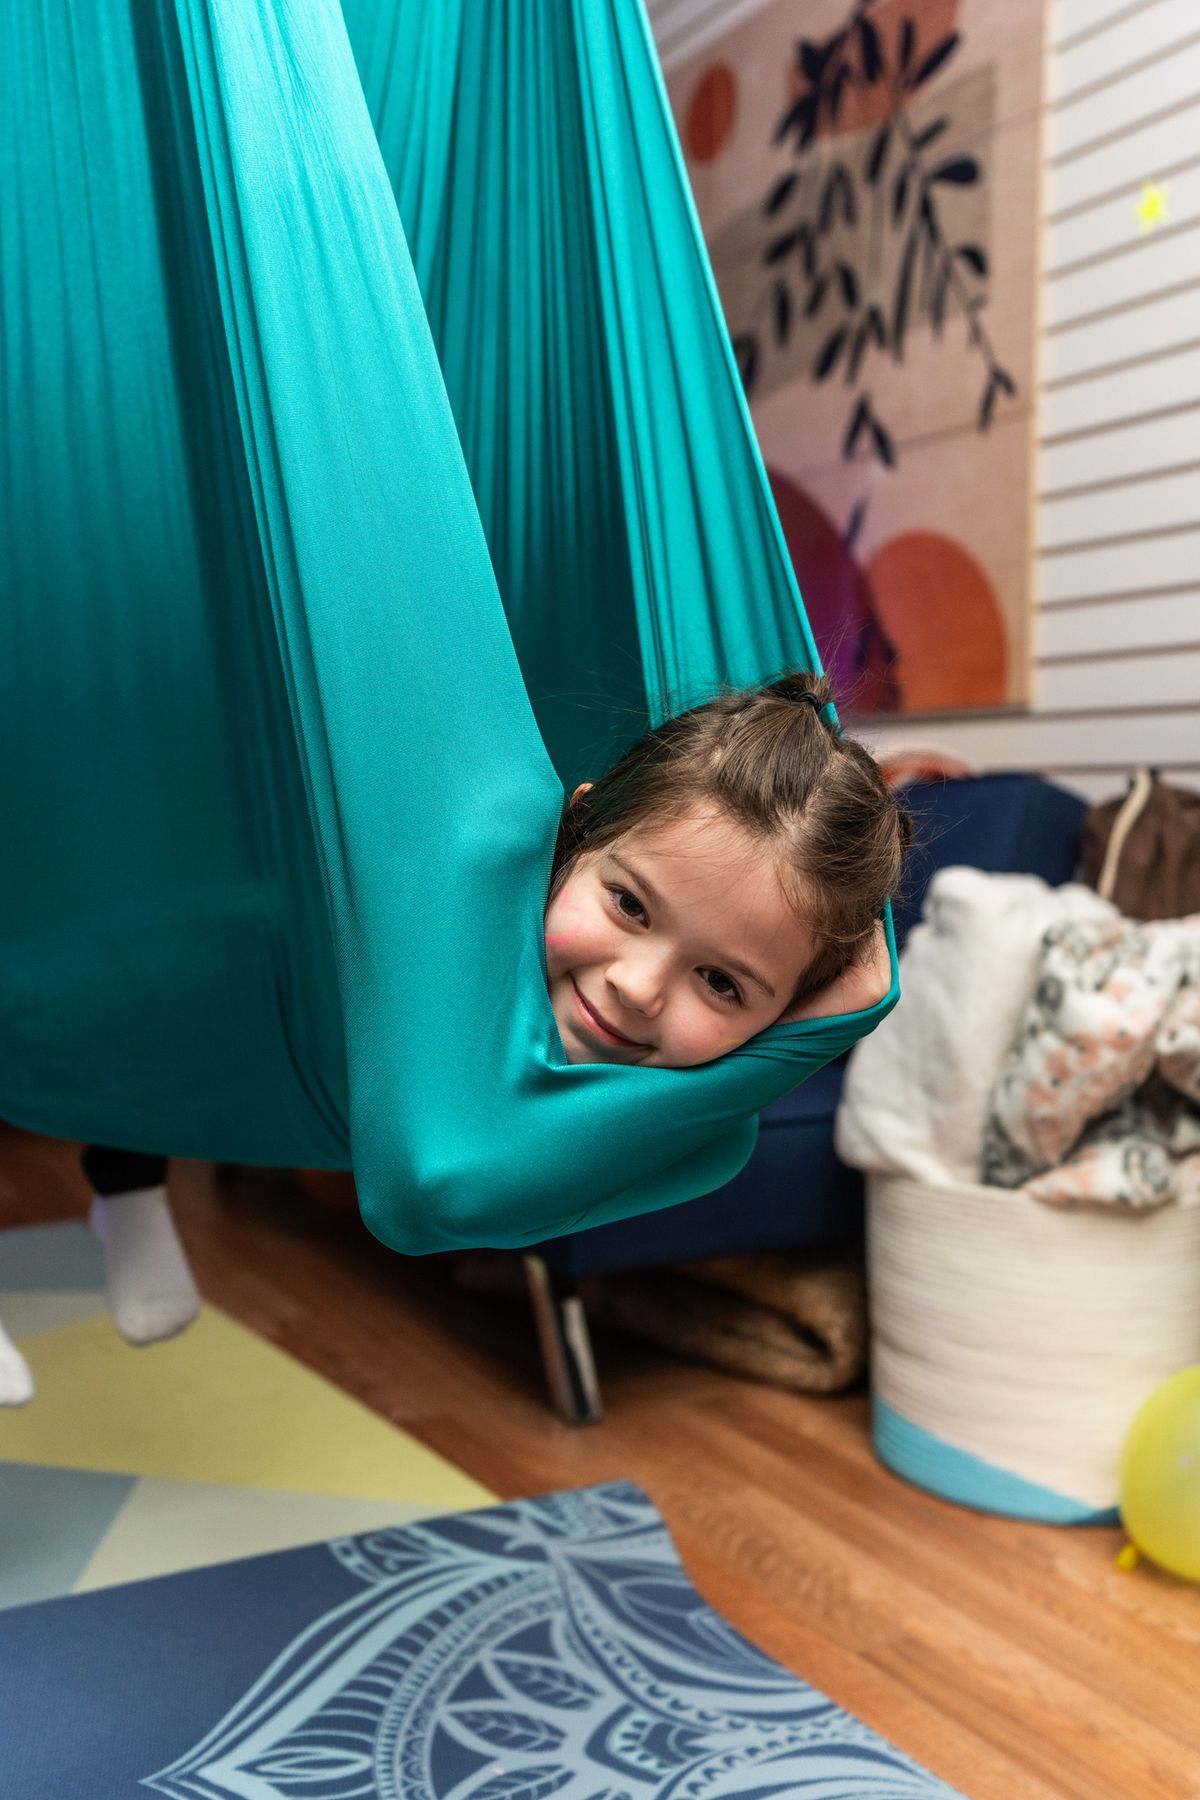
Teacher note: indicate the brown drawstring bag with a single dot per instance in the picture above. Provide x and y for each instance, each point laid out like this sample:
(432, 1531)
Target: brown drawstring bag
(1142, 852)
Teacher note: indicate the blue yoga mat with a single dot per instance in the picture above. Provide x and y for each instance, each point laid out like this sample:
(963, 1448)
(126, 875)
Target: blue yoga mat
(549, 1648)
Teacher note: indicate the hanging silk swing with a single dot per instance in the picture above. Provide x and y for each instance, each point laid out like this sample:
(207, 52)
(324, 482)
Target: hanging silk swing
(373, 461)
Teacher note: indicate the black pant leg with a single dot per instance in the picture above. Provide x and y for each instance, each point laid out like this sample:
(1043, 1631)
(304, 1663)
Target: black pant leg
(122, 1171)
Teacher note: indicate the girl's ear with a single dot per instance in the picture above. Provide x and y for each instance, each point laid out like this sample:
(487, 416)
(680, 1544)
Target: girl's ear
(585, 787)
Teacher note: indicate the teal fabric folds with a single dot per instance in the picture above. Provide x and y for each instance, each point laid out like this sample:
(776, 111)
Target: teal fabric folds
(373, 462)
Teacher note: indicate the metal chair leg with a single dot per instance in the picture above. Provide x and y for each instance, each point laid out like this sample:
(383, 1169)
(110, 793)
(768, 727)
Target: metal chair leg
(566, 1345)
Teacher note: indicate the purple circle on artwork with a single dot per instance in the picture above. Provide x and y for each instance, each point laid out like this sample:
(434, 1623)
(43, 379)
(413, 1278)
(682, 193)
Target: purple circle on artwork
(858, 657)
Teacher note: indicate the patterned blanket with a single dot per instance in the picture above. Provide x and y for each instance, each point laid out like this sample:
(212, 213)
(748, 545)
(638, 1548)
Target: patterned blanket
(1098, 1099)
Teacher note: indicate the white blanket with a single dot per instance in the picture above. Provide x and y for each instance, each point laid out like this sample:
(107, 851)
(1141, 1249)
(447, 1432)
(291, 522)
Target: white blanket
(917, 1090)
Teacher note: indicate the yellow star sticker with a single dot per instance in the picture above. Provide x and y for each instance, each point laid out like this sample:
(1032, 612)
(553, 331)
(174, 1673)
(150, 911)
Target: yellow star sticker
(1152, 207)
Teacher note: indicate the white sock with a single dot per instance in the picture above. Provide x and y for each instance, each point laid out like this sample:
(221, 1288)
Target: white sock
(16, 1383)
(151, 1293)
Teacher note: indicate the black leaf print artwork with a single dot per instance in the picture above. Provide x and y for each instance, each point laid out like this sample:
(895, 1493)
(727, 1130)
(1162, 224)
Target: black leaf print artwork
(926, 136)
(853, 524)
(812, 59)
(903, 295)
(781, 191)
(745, 350)
(872, 56)
(933, 62)
(878, 153)
(962, 170)
(987, 403)
(859, 237)
(828, 354)
(837, 196)
(816, 295)
(872, 330)
(783, 311)
(858, 419)
(899, 194)
(1000, 381)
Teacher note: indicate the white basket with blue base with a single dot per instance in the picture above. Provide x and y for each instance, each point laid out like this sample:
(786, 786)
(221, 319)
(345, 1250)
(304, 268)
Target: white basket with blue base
(1012, 1343)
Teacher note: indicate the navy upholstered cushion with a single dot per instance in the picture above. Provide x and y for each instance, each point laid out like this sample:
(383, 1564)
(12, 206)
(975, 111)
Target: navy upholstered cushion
(1005, 824)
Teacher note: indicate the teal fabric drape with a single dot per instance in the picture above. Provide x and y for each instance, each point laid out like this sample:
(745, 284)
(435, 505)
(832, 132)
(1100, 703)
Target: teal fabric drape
(328, 342)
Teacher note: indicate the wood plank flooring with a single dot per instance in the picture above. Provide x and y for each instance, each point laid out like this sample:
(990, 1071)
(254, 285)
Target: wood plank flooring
(1016, 1661)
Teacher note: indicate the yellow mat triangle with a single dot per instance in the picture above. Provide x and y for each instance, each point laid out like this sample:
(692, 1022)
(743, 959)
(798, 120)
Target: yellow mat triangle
(217, 1404)
(164, 1526)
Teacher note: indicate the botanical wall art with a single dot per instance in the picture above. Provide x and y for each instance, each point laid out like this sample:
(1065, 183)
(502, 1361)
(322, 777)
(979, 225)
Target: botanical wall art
(867, 177)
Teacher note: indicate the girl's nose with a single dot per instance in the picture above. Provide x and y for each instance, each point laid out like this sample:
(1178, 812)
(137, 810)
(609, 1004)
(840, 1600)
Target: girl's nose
(639, 983)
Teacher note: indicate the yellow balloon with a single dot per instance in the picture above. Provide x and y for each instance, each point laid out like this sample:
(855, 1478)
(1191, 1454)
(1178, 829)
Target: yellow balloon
(1160, 1476)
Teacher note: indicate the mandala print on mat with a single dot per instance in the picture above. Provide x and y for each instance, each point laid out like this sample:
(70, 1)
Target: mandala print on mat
(549, 1648)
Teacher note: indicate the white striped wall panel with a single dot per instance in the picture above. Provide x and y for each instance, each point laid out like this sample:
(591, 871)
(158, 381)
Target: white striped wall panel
(1163, 737)
(1167, 439)
(1165, 141)
(1142, 268)
(1152, 504)
(1139, 565)
(1143, 32)
(1149, 385)
(1118, 628)
(1080, 236)
(1125, 103)
(1117, 579)
(1074, 21)
(1085, 683)
(1110, 338)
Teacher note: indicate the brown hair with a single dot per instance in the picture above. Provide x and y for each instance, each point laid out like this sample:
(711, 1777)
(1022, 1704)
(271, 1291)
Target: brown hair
(777, 765)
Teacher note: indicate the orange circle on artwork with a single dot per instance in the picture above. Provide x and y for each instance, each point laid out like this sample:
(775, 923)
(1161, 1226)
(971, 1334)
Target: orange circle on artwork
(709, 118)
(940, 612)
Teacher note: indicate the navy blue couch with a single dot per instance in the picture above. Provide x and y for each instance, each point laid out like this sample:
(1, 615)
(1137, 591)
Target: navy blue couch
(794, 1192)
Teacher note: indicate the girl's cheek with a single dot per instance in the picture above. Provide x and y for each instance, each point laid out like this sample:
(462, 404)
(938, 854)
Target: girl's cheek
(564, 923)
(703, 1041)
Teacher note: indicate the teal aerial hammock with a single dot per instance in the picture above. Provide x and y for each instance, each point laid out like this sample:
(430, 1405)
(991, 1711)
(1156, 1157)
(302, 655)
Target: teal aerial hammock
(329, 338)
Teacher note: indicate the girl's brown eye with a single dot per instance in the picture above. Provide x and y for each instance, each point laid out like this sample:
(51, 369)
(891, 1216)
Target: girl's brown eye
(620, 896)
(730, 990)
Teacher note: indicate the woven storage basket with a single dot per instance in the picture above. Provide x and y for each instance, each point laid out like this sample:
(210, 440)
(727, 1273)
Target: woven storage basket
(1013, 1343)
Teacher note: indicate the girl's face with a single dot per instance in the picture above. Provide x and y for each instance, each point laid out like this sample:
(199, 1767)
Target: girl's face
(672, 946)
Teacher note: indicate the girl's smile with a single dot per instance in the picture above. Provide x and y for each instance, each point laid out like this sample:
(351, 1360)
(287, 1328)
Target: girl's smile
(597, 1023)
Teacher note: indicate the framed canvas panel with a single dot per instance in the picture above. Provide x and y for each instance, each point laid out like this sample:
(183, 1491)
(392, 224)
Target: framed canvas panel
(867, 175)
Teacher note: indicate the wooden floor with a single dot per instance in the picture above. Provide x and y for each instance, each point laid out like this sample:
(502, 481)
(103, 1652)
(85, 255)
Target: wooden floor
(1013, 1660)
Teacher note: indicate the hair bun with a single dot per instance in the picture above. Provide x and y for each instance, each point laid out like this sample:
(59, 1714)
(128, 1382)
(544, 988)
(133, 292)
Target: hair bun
(803, 688)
